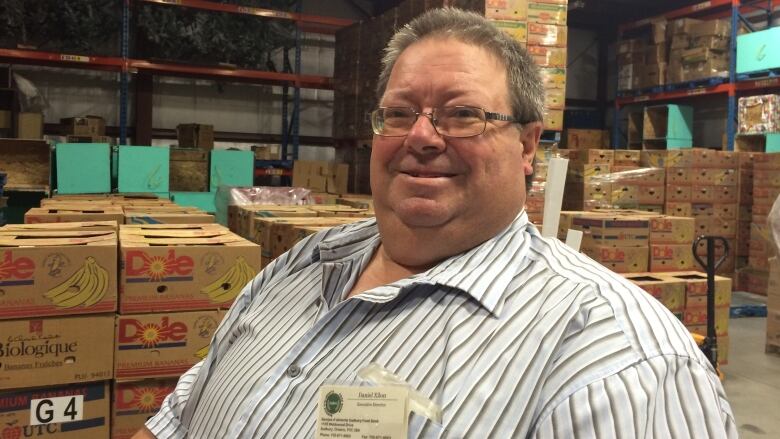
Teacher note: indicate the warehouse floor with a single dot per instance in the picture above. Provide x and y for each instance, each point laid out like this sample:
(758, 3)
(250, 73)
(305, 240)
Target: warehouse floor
(753, 380)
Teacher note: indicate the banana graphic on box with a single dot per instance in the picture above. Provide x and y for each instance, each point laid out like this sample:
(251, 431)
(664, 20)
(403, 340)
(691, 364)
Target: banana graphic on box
(85, 287)
(227, 286)
(202, 352)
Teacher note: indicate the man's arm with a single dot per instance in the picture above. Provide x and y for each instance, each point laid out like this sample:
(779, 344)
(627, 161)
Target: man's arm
(144, 433)
(664, 396)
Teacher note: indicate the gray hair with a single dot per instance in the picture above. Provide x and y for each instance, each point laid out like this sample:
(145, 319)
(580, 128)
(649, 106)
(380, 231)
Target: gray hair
(526, 91)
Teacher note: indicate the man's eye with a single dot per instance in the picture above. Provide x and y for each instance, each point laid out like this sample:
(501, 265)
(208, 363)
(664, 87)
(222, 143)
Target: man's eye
(395, 114)
(463, 113)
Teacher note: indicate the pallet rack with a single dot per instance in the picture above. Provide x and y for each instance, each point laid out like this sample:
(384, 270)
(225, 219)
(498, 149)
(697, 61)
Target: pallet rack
(125, 65)
(730, 86)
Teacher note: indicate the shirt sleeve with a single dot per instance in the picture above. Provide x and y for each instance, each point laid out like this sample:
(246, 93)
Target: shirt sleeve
(665, 396)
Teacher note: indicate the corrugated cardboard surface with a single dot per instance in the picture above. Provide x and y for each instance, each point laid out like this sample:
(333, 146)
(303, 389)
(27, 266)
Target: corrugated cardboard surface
(178, 267)
(162, 345)
(73, 213)
(49, 273)
(15, 412)
(134, 402)
(57, 350)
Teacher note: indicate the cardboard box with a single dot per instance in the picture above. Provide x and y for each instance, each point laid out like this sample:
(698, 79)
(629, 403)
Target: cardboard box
(516, 10)
(715, 176)
(679, 43)
(580, 172)
(640, 177)
(84, 126)
(681, 26)
(340, 211)
(655, 75)
(136, 401)
(679, 158)
(57, 350)
(711, 158)
(321, 176)
(714, 194)
(189, 170)
(162, 345)
(720, 28)
(678, 193)
(195, 135)
(546, 56)
(592, 156)
(545, 13)
(516, 29)
(609, 230)
(670, 292)
(178, 267)
(634, 45)
(92, 421)
(696, 285)
(726, 211)
(678, 176)
(553, 77)
(89, 139)
(672, 230)
(553, 119)
(711, 225)
(678, 208)
(74, 213)
(712, 42)
(585, 139)
(656, 54)
(283, 236)
(555, 98)
(625, 157)
(698, 316)
(766, 177)
(86, 226)
(547, 35)
(629, 195)
(619, 259)
(29, 125)
(658, 31)
(50, 273)
(671, 257)
(159, 216)
(245, 222)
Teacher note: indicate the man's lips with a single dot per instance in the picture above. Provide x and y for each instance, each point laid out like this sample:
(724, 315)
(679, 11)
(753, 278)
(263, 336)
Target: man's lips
(427, 174)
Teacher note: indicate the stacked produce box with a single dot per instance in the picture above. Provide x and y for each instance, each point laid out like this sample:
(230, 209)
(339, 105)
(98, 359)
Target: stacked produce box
(57, 320)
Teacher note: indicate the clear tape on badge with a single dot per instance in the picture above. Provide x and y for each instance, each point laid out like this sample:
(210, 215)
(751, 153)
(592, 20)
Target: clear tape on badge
(418, 403)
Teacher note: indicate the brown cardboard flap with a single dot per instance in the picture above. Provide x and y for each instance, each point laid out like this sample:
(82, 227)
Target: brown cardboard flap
(143, 228)
(75, 208)
(55, 238)
(87, 226)
(161, 209)
(138, 241)
(182, 233)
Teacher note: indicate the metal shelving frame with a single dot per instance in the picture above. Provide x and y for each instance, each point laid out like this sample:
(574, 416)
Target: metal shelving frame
(125, 65)
(711, 9)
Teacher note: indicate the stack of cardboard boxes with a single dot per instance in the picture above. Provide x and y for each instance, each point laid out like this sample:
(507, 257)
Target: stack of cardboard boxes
(766, 189)
(86, 129)
(676, 51)
(541, 27)
(57, 321)
(321, 176)
(685, 295)
(175, 282)
(587, 187)
(773, 305)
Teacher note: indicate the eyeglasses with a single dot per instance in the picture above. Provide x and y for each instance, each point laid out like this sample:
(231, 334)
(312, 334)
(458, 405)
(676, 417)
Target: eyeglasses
(457, 121)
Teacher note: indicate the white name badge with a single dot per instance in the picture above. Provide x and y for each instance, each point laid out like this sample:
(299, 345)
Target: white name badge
(348, 412)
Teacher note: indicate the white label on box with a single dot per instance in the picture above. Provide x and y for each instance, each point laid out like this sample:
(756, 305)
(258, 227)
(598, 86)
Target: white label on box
(59, 409)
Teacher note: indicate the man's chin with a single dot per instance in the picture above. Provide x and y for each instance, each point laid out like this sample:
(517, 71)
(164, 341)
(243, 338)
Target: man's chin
(421, 212)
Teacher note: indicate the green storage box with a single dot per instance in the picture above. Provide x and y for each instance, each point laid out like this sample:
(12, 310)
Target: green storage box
(764, 142)
(231, 168)
(202, 200)
(669, 125)
(83, 168)
(143, 169)
(758, 50)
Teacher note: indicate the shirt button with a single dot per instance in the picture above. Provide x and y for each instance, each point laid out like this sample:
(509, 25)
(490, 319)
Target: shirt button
(293, 371)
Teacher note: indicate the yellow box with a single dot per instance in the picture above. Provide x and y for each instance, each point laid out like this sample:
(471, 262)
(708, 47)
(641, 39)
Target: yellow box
(553, 77)
(555, 98)
(517, 29)
(548, 56)
(547, 35)
(553, 119)
(506, 9)
(547, 13)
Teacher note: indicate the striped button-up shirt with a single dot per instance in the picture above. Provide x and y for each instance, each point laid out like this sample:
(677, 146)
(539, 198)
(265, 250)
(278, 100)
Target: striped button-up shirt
(518, 337)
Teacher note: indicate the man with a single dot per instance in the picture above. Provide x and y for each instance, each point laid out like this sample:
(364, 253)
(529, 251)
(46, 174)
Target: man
(451, 289)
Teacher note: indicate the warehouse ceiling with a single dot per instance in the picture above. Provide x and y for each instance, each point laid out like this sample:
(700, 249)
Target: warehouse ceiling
(589, 14)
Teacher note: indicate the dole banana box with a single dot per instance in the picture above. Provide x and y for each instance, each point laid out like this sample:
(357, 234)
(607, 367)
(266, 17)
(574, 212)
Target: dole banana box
(619, 259)
(357, 200)
(58, 272)
(74, 411)
(74, 213)
(56, 350)
(179, 267)
(162, 344)
(678, 209)
(670, 292)
(134, 402)
(697, 316)
(671, 230)
(341, 211)
(84, 226)
(166, 215)
(696, 285)
(671, 257)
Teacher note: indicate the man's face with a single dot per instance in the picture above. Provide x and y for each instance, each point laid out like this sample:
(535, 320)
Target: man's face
(463, 184)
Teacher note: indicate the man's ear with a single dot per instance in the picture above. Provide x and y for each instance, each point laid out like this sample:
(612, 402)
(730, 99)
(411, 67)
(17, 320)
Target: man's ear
(529, 139)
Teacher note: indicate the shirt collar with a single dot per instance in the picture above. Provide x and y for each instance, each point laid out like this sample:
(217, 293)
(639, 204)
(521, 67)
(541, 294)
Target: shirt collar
(467, 271)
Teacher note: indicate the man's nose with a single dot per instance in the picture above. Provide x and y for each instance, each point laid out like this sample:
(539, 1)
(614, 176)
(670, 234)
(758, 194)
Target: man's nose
(423, 136)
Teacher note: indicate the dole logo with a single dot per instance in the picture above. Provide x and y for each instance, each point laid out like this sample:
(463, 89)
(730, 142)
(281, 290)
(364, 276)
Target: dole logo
(134, 334)
(144, 399)
(17, 271)
(156, 268)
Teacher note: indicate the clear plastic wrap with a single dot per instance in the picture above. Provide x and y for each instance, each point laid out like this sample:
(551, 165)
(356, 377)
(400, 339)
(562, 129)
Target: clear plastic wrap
(243, 196)
(598, 186)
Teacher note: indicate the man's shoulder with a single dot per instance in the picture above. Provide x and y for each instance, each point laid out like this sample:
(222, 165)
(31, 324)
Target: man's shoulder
(649, 328)
(332, 242)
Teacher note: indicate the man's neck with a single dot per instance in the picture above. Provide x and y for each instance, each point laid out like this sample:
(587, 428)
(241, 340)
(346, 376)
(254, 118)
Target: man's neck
(382, 270)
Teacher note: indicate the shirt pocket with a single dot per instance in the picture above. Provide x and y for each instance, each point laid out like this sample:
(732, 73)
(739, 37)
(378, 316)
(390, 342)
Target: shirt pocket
(421, 427)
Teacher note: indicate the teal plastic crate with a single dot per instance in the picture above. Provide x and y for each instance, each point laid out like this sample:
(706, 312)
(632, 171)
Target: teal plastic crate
(672, 124)
(231, 168)
(758, 51)
(83, 168)
(764, 142)
(201, 200)
(143, 169)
